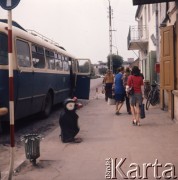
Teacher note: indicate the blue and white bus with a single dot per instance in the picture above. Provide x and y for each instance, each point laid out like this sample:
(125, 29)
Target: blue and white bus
(44, 73)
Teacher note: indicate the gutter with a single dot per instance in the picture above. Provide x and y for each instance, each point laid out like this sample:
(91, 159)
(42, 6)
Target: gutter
(138, 11)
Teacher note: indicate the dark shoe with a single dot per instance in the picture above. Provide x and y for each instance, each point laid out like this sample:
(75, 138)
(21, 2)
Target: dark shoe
(118, 113)
(129, 113)
(73, 140)
(77, 140)
(106, 98)
(68, 140)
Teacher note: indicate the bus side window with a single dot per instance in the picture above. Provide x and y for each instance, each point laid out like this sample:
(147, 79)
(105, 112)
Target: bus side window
(38, 57)
(63, 63)
(3, 49)
(50, 59)
(58, 63)
(83, 66)
(23, 54)
(66, 64)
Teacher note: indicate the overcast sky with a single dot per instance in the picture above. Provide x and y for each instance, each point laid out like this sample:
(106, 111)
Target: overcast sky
(80, 26)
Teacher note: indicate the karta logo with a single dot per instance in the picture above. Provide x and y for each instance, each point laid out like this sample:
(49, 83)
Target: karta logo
(115, 170)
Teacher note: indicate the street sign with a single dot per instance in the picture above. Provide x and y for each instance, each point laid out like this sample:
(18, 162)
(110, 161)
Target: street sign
(9, 4)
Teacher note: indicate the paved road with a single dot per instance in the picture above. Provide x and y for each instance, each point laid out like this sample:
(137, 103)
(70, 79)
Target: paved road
(105, 136)
(32, 125)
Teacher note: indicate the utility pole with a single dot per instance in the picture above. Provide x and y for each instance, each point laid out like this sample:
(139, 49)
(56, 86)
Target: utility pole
(116, 49)
(110, 37)
(9, 5)
(157, 41)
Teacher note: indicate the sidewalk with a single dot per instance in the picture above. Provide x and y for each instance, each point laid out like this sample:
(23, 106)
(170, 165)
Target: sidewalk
(106, 135)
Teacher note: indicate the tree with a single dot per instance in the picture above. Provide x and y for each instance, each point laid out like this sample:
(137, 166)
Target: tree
(102, 70)
(92, 70)
(83, 68)
(117, 62)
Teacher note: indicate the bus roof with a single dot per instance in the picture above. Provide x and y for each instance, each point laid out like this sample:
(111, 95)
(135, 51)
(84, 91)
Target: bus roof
(20, 32)
(13, 24)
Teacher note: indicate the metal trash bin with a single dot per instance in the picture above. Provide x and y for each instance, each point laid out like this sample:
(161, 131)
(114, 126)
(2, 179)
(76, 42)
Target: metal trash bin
(32, 146)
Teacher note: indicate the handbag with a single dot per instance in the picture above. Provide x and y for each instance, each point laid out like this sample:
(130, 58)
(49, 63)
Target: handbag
(142, 111)
(131, 89)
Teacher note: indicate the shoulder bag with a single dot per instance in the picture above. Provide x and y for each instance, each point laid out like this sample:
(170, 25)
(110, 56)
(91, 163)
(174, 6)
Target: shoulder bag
(131, 89)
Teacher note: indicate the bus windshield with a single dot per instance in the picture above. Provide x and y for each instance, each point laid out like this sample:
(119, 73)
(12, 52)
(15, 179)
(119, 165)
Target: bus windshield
(83, 66)
(3, 49)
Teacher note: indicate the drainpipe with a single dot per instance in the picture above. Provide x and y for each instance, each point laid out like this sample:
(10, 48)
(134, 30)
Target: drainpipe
(140, 59)
(157, 40)
(157, 35)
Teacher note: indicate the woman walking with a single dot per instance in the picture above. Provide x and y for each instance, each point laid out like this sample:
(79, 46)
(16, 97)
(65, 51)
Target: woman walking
(119, 90)
(135, 81)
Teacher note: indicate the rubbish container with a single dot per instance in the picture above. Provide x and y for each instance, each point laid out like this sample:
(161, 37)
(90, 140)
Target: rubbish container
(32, 146)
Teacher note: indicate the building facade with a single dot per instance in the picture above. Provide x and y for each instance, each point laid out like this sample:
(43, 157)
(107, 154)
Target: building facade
(156, 38)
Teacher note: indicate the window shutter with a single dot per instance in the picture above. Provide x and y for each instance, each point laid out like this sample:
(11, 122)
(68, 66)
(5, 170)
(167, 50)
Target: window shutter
(167, 73)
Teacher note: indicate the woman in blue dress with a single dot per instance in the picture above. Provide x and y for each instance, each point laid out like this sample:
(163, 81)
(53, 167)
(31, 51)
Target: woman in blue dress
(119, 90)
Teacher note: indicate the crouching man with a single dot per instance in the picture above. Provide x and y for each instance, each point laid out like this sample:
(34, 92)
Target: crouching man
(68, 121)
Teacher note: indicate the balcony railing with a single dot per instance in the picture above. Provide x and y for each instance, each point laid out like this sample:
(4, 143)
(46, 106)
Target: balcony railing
(137, 34)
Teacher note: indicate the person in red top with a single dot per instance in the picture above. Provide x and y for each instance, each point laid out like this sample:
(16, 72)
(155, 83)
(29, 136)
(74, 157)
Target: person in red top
(135, 81)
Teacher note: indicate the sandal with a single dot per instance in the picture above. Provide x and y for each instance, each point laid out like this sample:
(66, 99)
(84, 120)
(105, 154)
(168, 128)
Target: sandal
(138, 123)
(134, 122)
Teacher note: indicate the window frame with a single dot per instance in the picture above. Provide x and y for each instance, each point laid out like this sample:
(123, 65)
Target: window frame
(60, 62)
(66, 66)
(50, 56)
(4, 54)
(40, 54)
(29, 51)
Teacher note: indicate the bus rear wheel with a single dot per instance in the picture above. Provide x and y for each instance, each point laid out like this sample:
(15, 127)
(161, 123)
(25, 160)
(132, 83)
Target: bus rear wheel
(47, 105)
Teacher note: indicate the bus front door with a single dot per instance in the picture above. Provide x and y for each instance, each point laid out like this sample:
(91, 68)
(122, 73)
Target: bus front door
(82, 78)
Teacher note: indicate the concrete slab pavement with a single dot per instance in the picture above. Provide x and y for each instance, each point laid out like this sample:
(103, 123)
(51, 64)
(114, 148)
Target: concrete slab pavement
(105, 136)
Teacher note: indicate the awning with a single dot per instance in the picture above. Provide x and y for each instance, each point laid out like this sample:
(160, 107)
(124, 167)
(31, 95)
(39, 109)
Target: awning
(140, 2)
